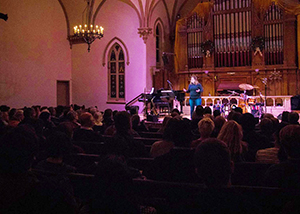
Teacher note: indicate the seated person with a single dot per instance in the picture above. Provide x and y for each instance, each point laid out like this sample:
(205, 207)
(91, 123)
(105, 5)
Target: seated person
(21, 191)
(86, 132)
(123, 142)
(57, 147)
(112, 177)
(214, 168)
(287, 173)
(205, 127)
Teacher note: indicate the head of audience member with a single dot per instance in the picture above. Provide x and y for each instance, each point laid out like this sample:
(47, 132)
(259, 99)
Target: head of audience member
(268, 115)
(122, 122)
(238, 109)
(92, 110)
(28, 113)
(58, 146)
(175, 113)
(114, 113)
(207, 110)
(235, 115)
(87, 120)
(19, 115)
(133, 111)
(59, 110)
(206, 127)
(178, 131)
(247, 122)
(212, 163)
(219, 122)
(18, 148)
(285, 116)
(216, 113)
(72, 116)
(293, 118)
(135, 121)
(164, 124)
(45, 117)
(66, 128)
(198, 113)
(266, 126)
(52, 111)
(12, 113)
(107, 115)
(290, 140)
(98, 118)
(232, 134)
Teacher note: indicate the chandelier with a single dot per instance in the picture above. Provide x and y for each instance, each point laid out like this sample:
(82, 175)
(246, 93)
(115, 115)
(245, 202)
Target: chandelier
(87, 31)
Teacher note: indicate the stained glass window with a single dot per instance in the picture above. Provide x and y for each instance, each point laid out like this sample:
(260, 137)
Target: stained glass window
(116, 72)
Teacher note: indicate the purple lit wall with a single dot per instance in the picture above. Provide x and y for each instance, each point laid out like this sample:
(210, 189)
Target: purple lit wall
(34, 52)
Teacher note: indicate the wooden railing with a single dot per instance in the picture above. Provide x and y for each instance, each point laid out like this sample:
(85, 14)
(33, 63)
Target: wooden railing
(270, 104)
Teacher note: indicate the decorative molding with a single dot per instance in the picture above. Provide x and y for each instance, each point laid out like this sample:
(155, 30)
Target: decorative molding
(109, 45)
(144, 33)
(116, 102)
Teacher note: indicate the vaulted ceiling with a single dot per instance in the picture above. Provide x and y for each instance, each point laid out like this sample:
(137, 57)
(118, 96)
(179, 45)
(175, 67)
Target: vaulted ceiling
(143, 9)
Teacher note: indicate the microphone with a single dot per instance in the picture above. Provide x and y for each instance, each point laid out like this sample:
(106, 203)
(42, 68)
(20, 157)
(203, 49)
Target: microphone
(169, 82)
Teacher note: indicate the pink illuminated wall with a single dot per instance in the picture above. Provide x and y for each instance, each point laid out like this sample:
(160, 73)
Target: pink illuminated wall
(34, 52)
(90, 77)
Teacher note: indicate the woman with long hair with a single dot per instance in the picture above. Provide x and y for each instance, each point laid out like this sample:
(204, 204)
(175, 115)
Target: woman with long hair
(195, 89)
(232, 134)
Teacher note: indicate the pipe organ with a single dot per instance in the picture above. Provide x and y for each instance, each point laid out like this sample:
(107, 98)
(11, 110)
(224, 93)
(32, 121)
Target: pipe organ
(273, 33)
(195, 26)
(232, 33)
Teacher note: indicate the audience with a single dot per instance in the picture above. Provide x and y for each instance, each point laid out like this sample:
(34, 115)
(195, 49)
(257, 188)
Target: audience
(30, 133)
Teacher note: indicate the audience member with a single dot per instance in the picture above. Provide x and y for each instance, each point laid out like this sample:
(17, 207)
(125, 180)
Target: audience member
(213, 163)
(294, 118)
(123, 142)
(175, 113)
(232, 134)
(196, 117)
(86, 132)
(57, 147)
(214, 168)
(205, 127)
(287, 173)
(253, 139)
(164, 124)
(16, 119)
(219, 122)
(207, 110)
(113, 179)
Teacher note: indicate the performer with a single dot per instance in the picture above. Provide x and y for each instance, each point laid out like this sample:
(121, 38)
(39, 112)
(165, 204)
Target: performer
(195, 89)
(219, 106)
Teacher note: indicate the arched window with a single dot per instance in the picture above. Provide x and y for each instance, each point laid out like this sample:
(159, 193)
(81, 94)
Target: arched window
(273, 30)
(116, 73)
(158, 44)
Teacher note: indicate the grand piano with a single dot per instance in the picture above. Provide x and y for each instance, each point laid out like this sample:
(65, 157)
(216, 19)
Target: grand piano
(160, 102)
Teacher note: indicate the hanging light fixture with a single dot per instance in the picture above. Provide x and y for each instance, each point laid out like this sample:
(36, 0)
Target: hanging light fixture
(87, 31)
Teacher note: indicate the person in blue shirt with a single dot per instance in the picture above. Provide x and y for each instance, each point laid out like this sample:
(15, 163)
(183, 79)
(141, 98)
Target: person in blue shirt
(195, 89)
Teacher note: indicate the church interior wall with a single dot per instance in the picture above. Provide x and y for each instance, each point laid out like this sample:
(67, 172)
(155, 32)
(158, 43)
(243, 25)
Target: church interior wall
(34, 52)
